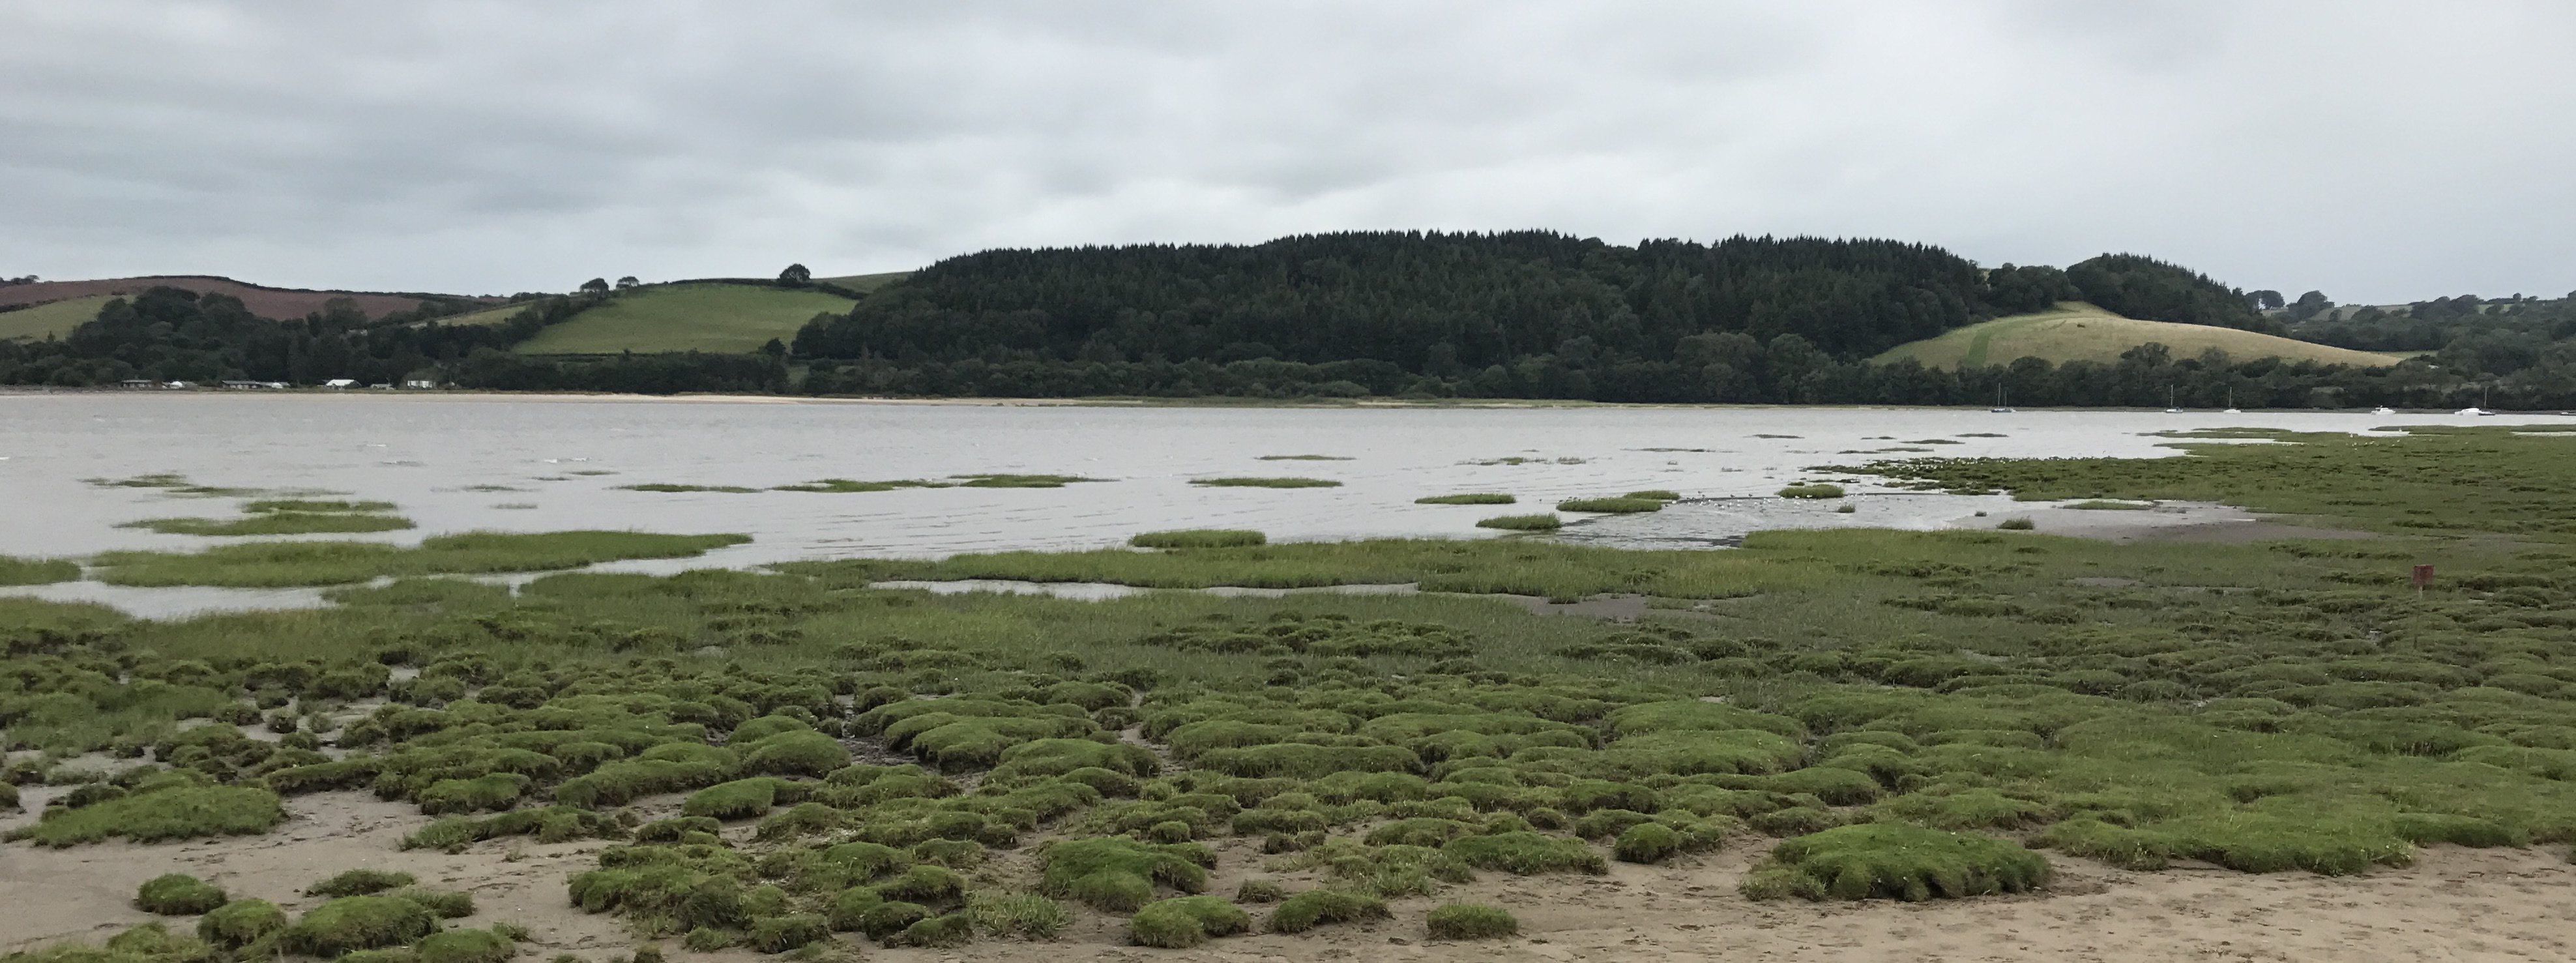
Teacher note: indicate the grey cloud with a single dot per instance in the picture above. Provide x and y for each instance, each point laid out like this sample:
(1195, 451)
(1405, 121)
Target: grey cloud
(2380, 151)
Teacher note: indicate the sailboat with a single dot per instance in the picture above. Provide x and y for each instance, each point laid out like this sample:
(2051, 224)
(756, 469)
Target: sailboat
(2383, 410)
(2170, 407)
(2000, 407)
(2231, 403)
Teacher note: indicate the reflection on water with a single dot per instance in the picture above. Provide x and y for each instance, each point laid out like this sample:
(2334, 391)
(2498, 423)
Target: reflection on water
(463, 463)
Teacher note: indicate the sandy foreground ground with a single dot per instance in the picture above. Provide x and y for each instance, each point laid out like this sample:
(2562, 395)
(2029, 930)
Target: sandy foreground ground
(2452, 905)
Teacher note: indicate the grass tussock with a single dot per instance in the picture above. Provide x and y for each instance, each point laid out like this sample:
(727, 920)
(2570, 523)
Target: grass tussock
(160, 815)
(1522, 523)
(1199, 538)
(1814, 490)
(1468, 498)
(675, 487)
(1183, 922)
(1656, 495)
(178, 894)
(1266, 482)
(1895, 861)
(1470, 921)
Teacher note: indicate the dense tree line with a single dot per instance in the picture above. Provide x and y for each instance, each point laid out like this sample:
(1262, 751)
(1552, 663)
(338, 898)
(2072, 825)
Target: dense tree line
(1401, 314)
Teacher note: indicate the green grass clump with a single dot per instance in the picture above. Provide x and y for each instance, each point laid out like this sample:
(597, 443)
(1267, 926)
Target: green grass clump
(1470, 921)
(2099, 505)
(36, 571)
(286, 564)
(778, 934)
(361, 882)
(1318, 907)
(181, 812)
(1813, 490)
(1469, 498)
(466, 946)
(446, 904)
(1611, 506)
(1199, 538)
(154, 942)
(326, 505)
(1118, 875)
(1025, 916)
(1187, 921)
(177, 894)
(241, 922)
(1895, 861)
(1266, 482)
(739, 799)
(673, 487)
(357, 923)
(2016, 525)
(1526, 853)
(1522, 523)
(274, 523)
(1656, 494)
(805, 753)
(946, 932)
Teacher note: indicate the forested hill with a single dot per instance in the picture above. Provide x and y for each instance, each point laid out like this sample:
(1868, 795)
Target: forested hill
(1422, 301)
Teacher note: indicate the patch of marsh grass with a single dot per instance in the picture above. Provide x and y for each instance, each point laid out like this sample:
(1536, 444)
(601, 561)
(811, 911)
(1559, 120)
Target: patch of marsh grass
(1019, 481)
(1266, 482)
(1303, 458)
(837, 486)
(1613, 506)
(36, 571)
(1522, 523)
(1812, 490)
(1656, 494)
(676, 487)
(1469, 498)
(2099, 505)
(1199, 538)
(283, 564)
(2016, 525)
(275, 523)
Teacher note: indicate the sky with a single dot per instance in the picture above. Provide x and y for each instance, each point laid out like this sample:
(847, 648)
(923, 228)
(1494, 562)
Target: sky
(2380, 152)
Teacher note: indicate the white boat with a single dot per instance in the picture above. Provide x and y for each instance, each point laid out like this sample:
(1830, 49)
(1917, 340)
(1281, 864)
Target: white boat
(2383, 410)
(2170, 407)
(2000, 407)
(2473, 411)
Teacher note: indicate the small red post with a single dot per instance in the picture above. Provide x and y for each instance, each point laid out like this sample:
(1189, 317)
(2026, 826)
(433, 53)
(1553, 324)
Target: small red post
(2423, 577)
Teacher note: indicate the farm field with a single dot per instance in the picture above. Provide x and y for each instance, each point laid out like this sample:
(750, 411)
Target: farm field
(2060, 746)
(724, 318)
(54, 319)
(2076, 331)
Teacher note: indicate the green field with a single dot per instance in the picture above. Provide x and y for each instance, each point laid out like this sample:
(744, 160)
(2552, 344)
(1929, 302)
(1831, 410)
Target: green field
(56, 318)
(2075, 331)
(728, 318)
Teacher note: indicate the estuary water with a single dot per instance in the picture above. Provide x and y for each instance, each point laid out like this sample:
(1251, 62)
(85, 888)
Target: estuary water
(514, 463)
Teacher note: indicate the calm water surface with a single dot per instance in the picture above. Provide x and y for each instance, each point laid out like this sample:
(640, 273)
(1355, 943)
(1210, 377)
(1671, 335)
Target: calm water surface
(527, 464)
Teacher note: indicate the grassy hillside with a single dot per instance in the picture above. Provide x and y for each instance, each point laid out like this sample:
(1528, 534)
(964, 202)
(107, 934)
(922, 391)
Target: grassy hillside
(57, 318)
(684, 317)
(864, 283)
(2076, 330)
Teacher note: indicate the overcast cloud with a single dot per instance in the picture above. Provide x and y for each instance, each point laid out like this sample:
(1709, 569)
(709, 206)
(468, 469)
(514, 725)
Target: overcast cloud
(2379, 151)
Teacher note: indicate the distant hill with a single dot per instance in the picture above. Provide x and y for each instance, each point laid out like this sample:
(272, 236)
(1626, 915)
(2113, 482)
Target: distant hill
(722, 318)
(2080, 331)
(266, 302)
